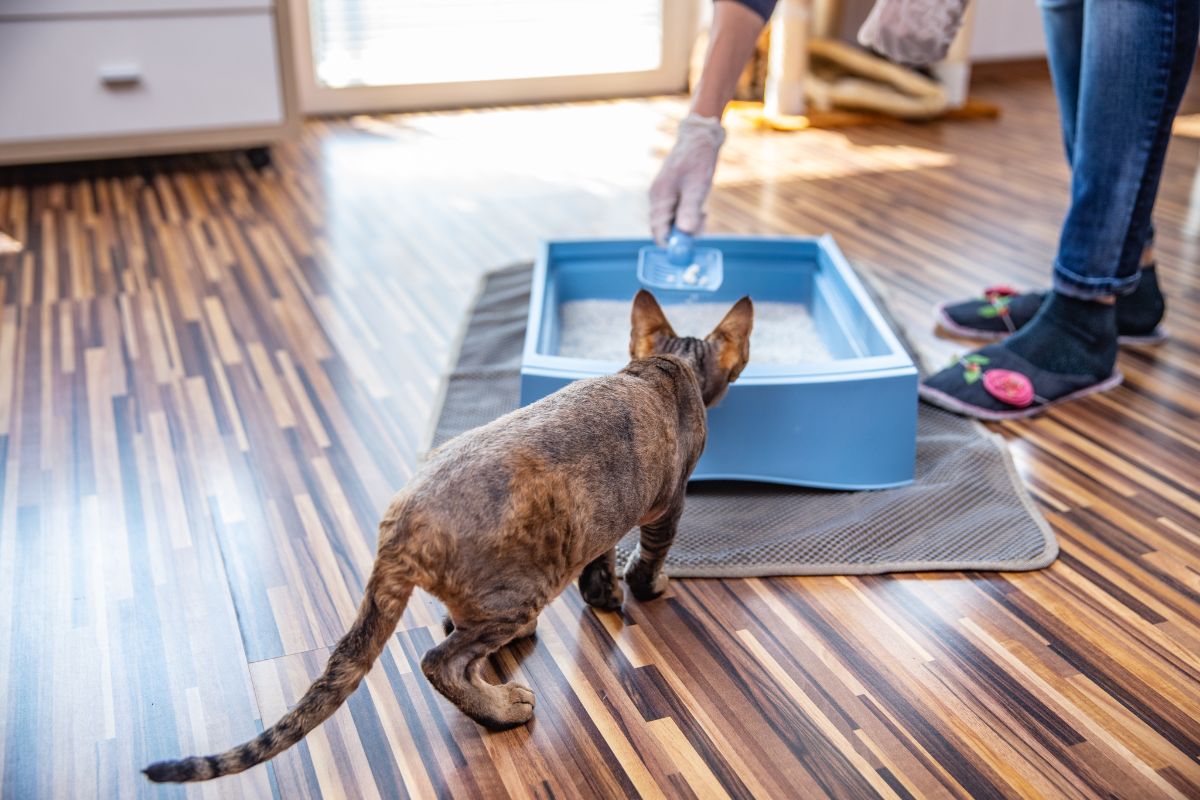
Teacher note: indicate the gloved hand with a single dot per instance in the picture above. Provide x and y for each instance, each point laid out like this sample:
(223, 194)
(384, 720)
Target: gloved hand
(677, 195)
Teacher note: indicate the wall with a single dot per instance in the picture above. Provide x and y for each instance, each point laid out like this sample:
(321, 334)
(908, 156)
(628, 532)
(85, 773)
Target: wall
(1007, 29)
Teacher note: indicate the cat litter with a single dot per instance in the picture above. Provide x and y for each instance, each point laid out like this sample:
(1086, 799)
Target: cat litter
(784, 333)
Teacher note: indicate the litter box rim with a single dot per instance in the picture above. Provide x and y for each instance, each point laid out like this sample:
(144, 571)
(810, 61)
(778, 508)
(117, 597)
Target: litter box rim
(837, 280)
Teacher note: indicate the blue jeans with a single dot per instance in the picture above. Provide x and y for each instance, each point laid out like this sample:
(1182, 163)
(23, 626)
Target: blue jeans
(1119, 70)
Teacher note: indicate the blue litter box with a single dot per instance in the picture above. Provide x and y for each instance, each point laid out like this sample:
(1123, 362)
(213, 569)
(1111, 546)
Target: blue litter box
(848, 423)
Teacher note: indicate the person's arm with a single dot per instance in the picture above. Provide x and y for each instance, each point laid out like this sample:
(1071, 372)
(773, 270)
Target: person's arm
(736, 27)
(678, 193)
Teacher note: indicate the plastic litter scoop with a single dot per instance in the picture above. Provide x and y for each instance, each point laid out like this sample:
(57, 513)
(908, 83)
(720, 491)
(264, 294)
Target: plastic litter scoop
(681, 265)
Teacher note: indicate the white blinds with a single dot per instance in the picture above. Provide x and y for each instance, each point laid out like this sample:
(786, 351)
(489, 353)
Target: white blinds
(399, 42)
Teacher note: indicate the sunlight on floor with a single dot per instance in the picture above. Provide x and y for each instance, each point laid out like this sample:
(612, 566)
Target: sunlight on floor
(9, 245)
(465, 177)
(594, 147)
(1187, 125)
(821, 154)
(605, 146)
(583, 170)
(1191, 223)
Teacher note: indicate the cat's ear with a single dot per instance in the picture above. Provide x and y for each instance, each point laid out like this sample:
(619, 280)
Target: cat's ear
(732, 337)
(650, 327)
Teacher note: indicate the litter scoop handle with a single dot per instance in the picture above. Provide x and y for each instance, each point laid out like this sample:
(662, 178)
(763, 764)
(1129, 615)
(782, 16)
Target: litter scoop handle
(681, 248)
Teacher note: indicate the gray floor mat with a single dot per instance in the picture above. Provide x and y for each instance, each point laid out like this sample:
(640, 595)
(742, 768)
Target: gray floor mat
(966, 510)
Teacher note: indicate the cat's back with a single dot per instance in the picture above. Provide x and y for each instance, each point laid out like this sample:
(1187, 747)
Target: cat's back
(590, 427)
(594, 455)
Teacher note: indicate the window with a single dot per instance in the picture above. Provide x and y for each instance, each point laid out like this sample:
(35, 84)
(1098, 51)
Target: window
(375, 54)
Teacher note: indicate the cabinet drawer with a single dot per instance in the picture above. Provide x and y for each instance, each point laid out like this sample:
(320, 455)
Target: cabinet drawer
(69, 78)
(56, 8)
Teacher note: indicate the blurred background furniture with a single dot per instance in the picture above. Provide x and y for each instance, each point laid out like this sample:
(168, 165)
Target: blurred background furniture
(809, 71)
(96, 78)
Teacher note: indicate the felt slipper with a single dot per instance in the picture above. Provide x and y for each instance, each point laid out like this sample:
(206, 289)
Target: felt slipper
(995, 383)
(1002, 311)
(1156, 336)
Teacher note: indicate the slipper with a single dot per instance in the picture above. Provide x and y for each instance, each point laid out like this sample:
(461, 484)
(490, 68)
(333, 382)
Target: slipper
(995, 383)
(1003, 310)
(1156, 336)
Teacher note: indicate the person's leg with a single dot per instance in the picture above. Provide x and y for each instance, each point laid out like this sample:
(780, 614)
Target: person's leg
(1136, 58)
(1139, 312)
(1062, 21)
(1134, 64)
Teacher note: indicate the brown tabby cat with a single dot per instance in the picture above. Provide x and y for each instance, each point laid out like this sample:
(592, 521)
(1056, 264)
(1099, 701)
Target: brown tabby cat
(500, 519)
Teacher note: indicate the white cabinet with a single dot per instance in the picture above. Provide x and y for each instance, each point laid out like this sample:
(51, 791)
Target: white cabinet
(90, 78)
(21, 9)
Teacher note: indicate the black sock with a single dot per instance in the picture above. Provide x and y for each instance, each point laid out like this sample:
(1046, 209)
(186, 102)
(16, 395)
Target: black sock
(1139, 313)
(1069, 336)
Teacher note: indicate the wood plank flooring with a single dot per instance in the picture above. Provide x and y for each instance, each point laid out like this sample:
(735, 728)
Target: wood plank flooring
(211, 380)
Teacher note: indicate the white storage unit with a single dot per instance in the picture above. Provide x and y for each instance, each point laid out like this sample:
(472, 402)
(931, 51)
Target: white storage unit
(95, 78)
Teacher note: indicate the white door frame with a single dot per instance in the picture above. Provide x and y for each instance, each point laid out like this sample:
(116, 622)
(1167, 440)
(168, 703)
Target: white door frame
(679, 25)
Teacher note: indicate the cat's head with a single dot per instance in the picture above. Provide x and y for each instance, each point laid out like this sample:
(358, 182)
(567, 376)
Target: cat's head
(717, 359)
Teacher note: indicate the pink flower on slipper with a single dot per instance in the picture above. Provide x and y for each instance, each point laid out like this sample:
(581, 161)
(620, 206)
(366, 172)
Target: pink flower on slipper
(1008, 387)
(999, 291)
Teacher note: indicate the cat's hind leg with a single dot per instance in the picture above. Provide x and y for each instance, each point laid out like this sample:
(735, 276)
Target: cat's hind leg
(528, 630)
(455, 668)
(598, 583)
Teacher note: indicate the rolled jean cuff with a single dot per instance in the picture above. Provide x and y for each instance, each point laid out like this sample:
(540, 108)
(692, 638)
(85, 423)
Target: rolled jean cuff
(1085, 287)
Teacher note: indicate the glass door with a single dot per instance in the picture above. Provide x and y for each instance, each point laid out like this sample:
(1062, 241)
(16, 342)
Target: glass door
(367, 55)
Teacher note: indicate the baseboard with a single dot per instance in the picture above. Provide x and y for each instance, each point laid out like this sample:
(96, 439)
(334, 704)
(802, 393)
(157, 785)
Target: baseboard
(1009, 69)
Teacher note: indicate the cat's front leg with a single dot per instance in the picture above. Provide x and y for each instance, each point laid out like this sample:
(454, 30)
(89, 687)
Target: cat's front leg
(598, 583)
(644, 572)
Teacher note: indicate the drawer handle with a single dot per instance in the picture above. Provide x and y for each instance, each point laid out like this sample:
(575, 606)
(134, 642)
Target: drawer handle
(120, 75)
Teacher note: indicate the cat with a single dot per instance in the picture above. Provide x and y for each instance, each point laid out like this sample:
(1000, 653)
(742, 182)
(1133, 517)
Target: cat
(499, 520)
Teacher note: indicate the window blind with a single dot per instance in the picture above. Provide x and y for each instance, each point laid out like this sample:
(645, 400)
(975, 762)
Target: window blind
(397, 42)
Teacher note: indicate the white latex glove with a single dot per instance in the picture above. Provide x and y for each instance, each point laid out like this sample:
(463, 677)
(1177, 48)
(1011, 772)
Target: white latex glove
(677, 195)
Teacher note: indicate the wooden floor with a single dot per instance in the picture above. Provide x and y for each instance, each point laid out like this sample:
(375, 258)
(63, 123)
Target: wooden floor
(211, 380)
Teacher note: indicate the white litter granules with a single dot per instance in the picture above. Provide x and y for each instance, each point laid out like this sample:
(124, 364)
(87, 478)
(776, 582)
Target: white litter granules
(784, 333)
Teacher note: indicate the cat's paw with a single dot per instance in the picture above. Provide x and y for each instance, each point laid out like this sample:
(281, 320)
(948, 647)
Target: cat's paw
(514, 707)
(519, 694)
(598, 585)
(644, 584)
(648, 588)
(645, 581)
(601, 592)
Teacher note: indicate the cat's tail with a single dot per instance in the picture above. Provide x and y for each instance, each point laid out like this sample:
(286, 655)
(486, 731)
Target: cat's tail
(352, 658)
